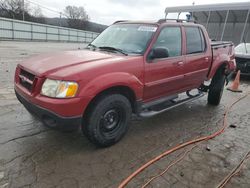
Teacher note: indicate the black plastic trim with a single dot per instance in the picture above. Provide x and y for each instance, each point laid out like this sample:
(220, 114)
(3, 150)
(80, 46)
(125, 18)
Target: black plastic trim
(49, 118)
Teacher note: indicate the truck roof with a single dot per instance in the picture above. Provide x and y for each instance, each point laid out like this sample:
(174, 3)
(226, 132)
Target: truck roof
(159, 22)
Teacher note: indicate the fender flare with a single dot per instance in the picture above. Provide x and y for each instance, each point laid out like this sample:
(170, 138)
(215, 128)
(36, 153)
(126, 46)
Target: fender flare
(222, 60)
(106, 81)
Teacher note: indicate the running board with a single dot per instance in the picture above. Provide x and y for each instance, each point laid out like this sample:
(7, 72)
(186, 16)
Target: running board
(174, 104)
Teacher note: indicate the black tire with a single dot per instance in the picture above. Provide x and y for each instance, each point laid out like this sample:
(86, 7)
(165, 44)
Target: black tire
(107, 120)
(216, 87)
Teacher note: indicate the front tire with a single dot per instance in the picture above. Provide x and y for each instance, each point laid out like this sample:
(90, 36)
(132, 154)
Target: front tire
(216, 87)
(107, 120)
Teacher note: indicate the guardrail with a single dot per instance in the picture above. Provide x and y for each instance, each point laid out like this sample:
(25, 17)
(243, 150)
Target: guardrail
(11, 29)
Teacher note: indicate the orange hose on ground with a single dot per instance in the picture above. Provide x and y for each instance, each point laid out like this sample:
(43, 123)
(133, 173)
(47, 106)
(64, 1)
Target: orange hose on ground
(143, 167)
(235, 171)
(168, 167)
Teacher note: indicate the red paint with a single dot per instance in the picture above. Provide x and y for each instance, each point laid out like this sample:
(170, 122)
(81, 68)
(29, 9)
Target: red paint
(96, 71)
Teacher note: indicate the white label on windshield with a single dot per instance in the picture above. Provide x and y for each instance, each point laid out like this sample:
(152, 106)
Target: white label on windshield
(147, 28)
(121, 29)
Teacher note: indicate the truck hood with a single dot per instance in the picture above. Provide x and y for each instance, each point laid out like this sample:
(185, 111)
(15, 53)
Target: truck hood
(49, 63)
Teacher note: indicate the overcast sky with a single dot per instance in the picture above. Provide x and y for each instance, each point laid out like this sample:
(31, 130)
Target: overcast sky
(108, 11)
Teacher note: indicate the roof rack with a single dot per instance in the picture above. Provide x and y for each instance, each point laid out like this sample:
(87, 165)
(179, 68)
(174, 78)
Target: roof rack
(119, 21)
(176, 20)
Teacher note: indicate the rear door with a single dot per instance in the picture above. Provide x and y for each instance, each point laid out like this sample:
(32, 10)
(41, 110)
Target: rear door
(197, 57)
(164, 76)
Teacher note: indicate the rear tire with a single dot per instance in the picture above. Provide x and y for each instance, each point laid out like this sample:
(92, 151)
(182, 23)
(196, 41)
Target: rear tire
(216, 87)
(107, 120)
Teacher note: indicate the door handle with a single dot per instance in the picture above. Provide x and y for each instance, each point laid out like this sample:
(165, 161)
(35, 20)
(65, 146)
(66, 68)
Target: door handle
(206, 59)
(180, 63)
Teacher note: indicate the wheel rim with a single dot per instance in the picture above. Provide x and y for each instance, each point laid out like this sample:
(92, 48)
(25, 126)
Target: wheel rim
(111, 122)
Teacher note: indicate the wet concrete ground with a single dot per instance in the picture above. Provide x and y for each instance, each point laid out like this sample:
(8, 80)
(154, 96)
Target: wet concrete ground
(34, 156)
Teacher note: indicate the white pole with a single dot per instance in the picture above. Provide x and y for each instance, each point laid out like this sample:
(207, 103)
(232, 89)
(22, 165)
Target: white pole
(60, 19)
(23, 8)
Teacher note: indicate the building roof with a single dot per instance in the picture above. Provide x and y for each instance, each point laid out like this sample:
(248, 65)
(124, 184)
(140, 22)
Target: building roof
(218, 12)
(209, 7)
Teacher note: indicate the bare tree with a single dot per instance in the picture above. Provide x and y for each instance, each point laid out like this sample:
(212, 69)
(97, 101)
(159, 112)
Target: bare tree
(77, 16)
(37, 12)
(73, 12)
(14, 8)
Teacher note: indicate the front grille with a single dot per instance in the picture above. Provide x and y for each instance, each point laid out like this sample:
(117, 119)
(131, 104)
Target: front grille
(26, 79)
(243, 64)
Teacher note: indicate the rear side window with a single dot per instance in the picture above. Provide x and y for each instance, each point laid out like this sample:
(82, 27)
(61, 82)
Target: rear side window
(195, 40)
(170, 38)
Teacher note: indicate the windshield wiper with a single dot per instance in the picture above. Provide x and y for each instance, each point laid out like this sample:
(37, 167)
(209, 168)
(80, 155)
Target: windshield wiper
(110, 48)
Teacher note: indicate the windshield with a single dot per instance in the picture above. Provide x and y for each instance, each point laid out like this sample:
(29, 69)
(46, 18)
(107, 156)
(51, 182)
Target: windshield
(129, 38)
(243, 48)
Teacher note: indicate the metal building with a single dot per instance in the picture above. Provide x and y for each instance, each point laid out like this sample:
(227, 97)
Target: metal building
(227, 21)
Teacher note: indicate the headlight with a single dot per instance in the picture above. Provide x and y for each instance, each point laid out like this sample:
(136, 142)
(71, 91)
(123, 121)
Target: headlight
(59, 89)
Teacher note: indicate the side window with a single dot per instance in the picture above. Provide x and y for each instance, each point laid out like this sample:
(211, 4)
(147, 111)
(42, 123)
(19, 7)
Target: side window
(170, 38)
(195, 40)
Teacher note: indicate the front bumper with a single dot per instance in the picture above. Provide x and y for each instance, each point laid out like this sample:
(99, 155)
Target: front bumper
(49, 118)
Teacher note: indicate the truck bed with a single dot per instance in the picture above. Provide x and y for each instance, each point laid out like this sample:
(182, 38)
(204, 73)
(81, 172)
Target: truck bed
(219, 50)
(217, 44)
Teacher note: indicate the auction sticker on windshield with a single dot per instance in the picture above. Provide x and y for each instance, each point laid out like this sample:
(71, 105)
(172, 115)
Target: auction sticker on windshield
(147, 28)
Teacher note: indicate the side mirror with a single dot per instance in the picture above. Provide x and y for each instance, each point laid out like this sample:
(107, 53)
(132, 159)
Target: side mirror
(159, 52)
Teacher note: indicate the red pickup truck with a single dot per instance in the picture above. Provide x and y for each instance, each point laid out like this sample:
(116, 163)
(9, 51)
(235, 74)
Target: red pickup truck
(131, 67)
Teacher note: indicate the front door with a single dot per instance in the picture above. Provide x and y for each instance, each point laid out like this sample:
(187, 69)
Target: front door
(165, 76)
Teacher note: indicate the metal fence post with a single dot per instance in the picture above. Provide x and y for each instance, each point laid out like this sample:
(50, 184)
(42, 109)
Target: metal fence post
(224, 26)
(23, 11)
(68, 35)
(46, 33)
(58, 36)
(12, 25)
(208, 19)
(243, 31)
(31, 28)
